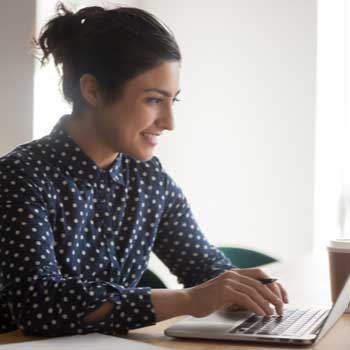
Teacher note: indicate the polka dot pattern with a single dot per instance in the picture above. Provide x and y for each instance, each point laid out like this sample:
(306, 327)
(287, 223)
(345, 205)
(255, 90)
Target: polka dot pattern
(73, 236)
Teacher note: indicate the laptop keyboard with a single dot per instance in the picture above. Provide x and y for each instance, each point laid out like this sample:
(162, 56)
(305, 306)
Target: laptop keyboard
(291, 323)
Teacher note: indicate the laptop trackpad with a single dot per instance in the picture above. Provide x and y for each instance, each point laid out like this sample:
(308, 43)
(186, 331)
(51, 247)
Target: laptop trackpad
(221, 321)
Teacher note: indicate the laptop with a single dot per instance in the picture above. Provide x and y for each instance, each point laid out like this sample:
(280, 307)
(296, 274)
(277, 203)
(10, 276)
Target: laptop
(295, 326)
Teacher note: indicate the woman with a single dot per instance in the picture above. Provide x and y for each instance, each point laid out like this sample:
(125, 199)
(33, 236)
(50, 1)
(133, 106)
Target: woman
(82, 208)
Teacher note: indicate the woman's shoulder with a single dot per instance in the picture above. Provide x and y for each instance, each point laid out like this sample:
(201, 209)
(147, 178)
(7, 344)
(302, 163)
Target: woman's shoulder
(20, 162)
(15, 158)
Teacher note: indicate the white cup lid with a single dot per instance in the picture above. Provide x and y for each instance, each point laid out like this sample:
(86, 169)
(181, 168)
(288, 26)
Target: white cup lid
(339, 244)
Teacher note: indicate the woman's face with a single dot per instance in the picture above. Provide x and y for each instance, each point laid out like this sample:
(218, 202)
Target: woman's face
(133, 124)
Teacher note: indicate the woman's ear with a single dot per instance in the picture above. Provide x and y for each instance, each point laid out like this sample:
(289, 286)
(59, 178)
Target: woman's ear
(90, 91)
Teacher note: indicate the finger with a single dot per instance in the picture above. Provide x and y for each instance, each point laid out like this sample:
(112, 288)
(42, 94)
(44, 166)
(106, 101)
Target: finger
(266, 293)
(283, 293)
(276, 290)
(277, 296)
(233, 308)
(236, 297)
(279, 290)
(255, 273)
(254, 295)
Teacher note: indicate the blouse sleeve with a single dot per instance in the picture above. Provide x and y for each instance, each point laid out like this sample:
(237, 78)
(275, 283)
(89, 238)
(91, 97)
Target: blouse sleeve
(41, 301)
(181, 245)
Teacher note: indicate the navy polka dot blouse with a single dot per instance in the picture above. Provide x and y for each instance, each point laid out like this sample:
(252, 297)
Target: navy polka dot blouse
(73, 236)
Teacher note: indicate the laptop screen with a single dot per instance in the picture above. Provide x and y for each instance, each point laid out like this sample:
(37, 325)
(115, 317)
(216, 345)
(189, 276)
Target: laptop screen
(337, 310)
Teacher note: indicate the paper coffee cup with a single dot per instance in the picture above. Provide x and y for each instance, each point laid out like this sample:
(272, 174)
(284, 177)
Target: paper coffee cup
(339, 264)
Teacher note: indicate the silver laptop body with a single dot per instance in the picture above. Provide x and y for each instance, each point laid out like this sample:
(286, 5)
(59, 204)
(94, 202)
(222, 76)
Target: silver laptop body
(298, 327)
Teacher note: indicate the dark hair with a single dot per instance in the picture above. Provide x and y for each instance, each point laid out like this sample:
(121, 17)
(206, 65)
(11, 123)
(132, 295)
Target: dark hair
(113, 45)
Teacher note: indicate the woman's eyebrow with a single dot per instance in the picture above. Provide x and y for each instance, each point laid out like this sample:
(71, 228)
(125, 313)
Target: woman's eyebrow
(160, 91)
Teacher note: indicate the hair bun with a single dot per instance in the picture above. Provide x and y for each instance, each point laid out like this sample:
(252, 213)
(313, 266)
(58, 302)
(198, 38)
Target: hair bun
(56, 36)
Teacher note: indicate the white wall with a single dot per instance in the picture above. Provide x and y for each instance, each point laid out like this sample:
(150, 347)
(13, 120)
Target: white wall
(17, 18)
(332, 168)
(243, 150)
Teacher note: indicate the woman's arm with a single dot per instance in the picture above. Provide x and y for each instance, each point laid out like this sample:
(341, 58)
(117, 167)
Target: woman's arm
(238, 287)
(167, 303)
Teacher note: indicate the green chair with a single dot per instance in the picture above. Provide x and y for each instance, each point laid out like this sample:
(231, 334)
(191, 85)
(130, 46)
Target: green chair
(150, 279)
(245, 258)
(240, 257)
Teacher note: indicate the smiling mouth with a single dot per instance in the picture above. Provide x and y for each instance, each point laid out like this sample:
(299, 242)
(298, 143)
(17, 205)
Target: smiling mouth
(151, 138)
(149, 133)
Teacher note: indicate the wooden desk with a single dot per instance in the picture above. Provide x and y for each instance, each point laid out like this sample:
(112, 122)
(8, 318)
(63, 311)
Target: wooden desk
(307, 282)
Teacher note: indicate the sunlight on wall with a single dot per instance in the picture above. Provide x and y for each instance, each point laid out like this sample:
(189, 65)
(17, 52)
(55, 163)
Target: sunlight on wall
(49, 104)
(332, 187)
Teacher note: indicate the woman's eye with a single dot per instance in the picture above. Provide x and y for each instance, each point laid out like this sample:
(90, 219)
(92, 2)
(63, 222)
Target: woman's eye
(154, 100)
(157, 100)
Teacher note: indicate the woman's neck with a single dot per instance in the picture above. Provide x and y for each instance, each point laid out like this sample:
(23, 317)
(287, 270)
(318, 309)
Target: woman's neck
(83, 131)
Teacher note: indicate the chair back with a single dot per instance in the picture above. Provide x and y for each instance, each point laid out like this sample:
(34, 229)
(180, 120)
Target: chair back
(246, 258)
(150, 279)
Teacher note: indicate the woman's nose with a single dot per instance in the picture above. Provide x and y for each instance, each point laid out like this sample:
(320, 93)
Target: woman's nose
(166, 122)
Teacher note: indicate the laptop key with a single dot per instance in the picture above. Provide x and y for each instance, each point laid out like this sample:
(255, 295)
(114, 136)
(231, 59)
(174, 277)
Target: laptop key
(279, 323)
(246, 324)
(269, 324)
(284, 323)
(312, 322)
(288, 322)
(299, 326)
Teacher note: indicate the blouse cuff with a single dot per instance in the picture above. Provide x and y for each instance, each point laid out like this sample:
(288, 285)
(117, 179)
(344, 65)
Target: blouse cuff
(133, 310)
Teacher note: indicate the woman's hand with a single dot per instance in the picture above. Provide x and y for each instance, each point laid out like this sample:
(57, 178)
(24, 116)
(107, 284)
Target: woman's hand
(239, 288)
